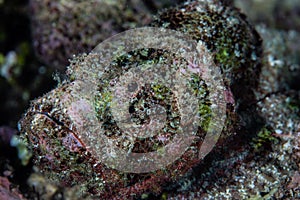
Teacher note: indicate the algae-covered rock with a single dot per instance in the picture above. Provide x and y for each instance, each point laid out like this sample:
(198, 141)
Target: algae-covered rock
(273, 13)
(63, 28)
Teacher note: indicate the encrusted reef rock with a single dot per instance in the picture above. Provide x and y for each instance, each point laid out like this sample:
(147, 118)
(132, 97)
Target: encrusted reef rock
(63, 28)
(65, 128)
(273, 13)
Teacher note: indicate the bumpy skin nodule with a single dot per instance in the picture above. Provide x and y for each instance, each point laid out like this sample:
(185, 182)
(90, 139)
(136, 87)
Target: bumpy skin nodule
(63, 157)
(226, 33)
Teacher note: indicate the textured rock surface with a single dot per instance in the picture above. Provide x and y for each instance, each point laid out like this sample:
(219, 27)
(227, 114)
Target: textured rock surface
(274, 13)
(64, 28)
(7, 192)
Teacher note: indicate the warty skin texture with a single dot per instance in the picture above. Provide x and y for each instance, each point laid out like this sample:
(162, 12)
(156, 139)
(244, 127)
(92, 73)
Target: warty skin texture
(61, 155)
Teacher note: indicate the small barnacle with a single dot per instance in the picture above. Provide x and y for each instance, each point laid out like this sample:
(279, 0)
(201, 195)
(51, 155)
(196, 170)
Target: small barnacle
(91, 136)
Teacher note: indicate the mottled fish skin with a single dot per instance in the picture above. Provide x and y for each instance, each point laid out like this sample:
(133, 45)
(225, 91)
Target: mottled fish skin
(50, 126)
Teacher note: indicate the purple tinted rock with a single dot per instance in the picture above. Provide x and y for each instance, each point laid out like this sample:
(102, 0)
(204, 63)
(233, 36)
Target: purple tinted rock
(6, 133)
